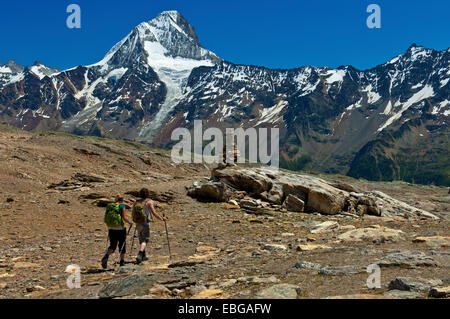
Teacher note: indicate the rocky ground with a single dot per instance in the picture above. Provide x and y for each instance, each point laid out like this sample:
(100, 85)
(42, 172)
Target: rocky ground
(53, 187)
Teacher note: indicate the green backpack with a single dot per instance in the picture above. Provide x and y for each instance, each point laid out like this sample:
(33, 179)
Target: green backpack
(113, 217)
(139, 215)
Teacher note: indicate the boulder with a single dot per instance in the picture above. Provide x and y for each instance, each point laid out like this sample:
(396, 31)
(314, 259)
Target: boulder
(402, 294)
(406, 259)
(280, 291)
(434, 241)
(280, 187)
(258, 280)
(395, 207)
(159, 290)
(146, 160)
(126, 270)
(307, 265)
(206, 249)
(275, 195)
(138, 284)
(246, 203)
(244, 179)
(293, 203)
(178, 283)
(88, 178)
(411, 284)
(274, 247)
(325, 200)
(310, 247)
(228, 283)
(339, 270)
(325, 227)
(440, 292)
(373, 233)
(185, 263)
(345, 186)
(208, 294)
(347, 228)
(210, 191)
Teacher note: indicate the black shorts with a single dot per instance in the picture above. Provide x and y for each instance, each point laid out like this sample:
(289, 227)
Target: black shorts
(118, 237)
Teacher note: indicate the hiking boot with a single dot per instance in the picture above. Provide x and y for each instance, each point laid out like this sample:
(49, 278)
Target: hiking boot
(105, 261)
(139, 257)
(122, 263)
(144, 257)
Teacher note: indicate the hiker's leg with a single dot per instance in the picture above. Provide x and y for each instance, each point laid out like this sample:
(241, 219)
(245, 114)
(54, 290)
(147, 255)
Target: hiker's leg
(144, 258)
(123, 244)
(110, 249)
(143, 240)
(144, 237)
(113, 240)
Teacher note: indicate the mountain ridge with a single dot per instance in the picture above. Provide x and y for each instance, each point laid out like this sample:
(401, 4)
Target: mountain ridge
(159, 77)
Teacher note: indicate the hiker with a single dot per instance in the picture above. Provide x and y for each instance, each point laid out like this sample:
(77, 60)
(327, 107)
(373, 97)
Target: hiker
(114, 218)
(141, 217)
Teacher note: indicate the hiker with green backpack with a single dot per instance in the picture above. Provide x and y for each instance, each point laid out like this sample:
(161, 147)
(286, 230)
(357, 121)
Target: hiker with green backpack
(114, 218)
(141, 217)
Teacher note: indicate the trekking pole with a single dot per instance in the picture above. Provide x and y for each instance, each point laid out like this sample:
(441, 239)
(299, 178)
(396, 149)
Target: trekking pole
(123, 245)
(132, 241)
(167, 235)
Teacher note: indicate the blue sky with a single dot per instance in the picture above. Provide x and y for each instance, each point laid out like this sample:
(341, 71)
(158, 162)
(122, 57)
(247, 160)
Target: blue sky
(275, 33)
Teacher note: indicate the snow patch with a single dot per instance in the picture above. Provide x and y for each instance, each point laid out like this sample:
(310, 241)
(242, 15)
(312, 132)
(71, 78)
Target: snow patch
(444, 82)
(335, 76)
(5, 69)
(426, 92)
(354, 106)
(388, 108)
(437, 109)
(174, 72)
(269, 114)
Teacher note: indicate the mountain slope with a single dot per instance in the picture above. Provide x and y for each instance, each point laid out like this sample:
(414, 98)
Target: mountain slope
(159, 78)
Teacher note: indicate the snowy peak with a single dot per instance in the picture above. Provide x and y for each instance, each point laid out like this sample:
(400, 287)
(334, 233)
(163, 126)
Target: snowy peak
(169, 35)
(13, 67)
(178, 21)
(41, 70)
(176, 35)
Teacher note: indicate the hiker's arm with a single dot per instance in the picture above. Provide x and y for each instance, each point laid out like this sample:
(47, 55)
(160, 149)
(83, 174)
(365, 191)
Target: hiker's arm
(124, 216)
(152, 209)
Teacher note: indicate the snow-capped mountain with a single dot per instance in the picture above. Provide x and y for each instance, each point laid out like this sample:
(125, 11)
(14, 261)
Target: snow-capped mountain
(373, 123)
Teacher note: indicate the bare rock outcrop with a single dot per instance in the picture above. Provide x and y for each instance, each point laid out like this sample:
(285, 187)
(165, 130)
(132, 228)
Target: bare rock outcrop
(301, 193)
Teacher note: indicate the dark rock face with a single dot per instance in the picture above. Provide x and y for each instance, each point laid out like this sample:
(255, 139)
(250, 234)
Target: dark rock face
(307, 265)
(408, 284)
(339, 271)
(407, 259)
(388, 122)
(441, 292)
(138, 284)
